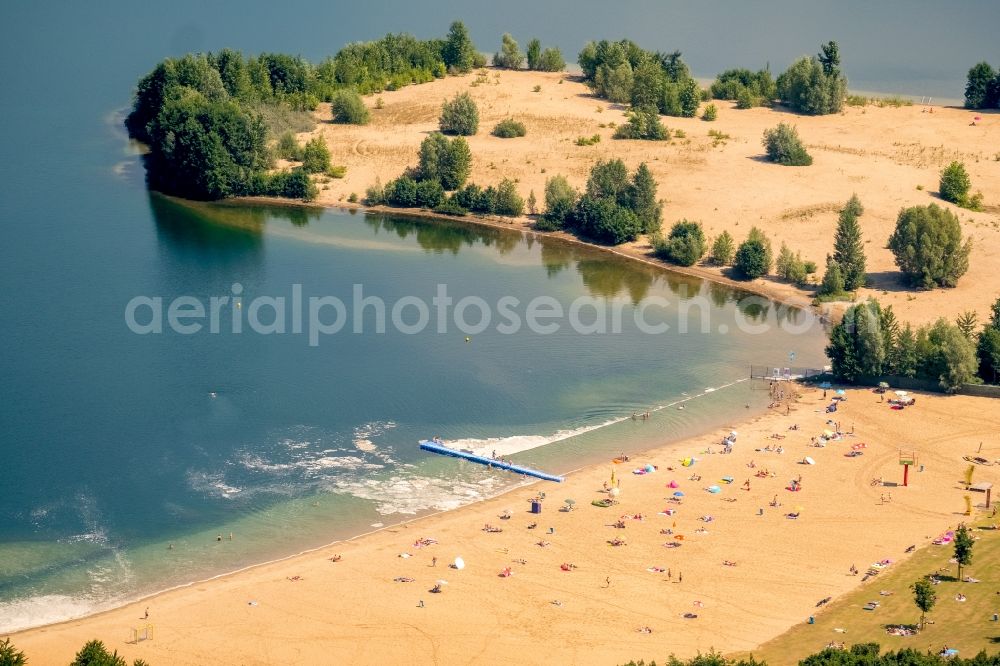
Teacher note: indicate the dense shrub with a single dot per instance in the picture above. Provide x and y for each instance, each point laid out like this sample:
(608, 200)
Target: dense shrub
(288, 148)
(429, 194)
(641, 200)
(315, 156)
(955, 183)
(603, 220)
(783, 146)
(751, 260)
(643, 123)
(401, 192)
(814, 86)
(460, 116)
(506, 200)
(458, 51)
(347, 106)
(723, 249)
(508, 128)
(560, 199)
(445, 160)
(547, 60)
(685, 244)
(928, 246)
(710, 113)
(748, 88)
(790, 266)
(982, 88)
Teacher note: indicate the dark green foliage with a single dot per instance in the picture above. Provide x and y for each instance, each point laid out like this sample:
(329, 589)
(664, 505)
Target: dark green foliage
(95, 654)
(609, 180)
(500, 200)
(848, 248)
(401, 192)
(963, 548)
(315, 156)
(642, 200)
(748, 88)
(988, 352)
(857, 346)
(790, 266)
(460, 116)
(347, 106)
(458, 51)
(928, 247)
(551, 60)
(605, 221)
(506, 200)
(945, 354)
(508, 128)
(429, 194)
(758, 235)
(509, 56)
(751, 259)
(784, 146)
(449, 207)
(723, 249)
(982, 89)
(10, 655)
(560, 199)
(814, 86)
(205, 150)
(294, 184)
(623, 72)
(534, 54)
(643, 123)
(955, 183)
(447, 161)
(685, 245)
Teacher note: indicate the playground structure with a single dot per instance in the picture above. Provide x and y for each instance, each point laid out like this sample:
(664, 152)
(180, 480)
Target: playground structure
(437, 447)
(141, 633)
(907, 459)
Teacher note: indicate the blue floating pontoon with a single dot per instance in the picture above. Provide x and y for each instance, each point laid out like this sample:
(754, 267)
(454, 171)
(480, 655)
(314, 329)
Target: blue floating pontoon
(434, 447)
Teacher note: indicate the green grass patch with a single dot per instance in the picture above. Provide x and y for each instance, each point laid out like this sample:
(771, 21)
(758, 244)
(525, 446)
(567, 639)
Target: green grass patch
(966, 626)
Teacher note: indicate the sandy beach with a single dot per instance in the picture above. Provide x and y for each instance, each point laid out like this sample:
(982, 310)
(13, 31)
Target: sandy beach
(310, 609)
(881, 153)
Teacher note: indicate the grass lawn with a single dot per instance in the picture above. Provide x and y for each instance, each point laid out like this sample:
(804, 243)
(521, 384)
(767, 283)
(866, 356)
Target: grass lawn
(966, 626)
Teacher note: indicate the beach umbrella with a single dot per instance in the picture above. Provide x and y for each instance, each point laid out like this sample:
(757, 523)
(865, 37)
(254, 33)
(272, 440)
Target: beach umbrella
(672, 484)
(841, 391)
(809, 461)
(884, 385)
(570, 503)
(678, 494)
(441, 582)
(828, 433)
(616, 491)
(714, 489)
(825, 385)
(650, 468)
(901, 393)
(978, 118)
(459, 563)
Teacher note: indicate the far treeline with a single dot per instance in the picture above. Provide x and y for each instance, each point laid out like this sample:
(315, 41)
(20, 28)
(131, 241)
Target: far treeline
(861, 654)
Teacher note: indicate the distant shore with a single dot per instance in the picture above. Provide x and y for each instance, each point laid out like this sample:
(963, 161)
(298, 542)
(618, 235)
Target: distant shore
(307, 608)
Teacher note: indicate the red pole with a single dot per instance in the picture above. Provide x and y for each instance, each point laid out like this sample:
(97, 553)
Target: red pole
(906, 475)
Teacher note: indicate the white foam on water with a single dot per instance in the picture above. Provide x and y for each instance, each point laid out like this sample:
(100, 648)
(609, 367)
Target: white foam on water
(18, 614)
(409, 495)
(211, 484)
(505, 446)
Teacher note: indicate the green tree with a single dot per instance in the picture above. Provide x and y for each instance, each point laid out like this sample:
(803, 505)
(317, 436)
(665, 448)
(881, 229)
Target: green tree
(903, 357)
(507, 201)
(685, 245)
(751, 259)
(560, 199)
(288, 148)
(723, 249)
(988, 352)
(947, 355)
(812, 86)
(460, 115)
(710, 113)
(532, 203)
(955, 183)
(963, 548)
(784, 146)
(928, 247)
(614, 83)
(551, 60)
(458, 51)
(642, 200)
(648, 81)
(981, 88)
(609, 180)
(445, 160)
(534, 54)
(10, 655)
(689, 96)
(758, 235)
(95, 654)
(833, 280)
(966, 323)
(857, 346)
(315, 156)
(509, 56)
(848, 248)
(605, 221)
(348, 107)
(924, 596)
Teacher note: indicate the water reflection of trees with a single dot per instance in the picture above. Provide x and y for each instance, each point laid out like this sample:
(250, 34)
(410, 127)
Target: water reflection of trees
(608, 279)
(441, 236)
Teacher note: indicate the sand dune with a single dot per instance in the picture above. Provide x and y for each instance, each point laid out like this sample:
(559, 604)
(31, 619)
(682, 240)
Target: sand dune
(352, 611)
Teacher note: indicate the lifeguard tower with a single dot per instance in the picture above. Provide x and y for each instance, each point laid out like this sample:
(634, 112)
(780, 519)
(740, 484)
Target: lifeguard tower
(907, 459)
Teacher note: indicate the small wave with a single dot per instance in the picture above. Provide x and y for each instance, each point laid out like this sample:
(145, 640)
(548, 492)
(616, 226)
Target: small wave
(412, 494)
(18, 614)
(505, 446)
(211, 484)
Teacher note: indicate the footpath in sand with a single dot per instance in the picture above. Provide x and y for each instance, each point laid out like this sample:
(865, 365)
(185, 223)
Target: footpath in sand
(882, 154)
(747, 574)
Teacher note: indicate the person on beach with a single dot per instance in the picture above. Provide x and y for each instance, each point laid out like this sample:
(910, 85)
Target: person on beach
(434, 561)
(146, 615)
(607, 582)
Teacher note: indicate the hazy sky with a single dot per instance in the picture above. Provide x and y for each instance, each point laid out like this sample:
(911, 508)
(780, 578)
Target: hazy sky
(915, 46)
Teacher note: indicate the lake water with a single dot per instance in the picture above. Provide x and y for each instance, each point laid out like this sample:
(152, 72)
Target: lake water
(116, 445)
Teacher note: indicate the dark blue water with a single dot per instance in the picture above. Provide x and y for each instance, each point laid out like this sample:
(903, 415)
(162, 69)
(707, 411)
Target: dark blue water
(115, 446)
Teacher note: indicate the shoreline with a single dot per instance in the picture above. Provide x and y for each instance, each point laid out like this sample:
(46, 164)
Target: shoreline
(825, 312)
(524, 482)
(369, 616)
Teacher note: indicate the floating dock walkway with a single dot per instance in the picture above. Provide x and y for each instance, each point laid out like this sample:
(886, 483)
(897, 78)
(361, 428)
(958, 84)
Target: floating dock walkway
(434, 447)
